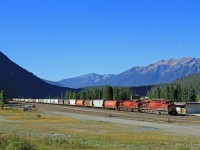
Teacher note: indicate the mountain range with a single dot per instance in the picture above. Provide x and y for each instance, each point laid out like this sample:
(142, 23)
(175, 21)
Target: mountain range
(163, 71)
(18, 82)
(91, 79)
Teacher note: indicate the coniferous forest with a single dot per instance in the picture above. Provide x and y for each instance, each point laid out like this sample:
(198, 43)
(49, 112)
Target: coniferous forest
(185, 89)
(106, 92)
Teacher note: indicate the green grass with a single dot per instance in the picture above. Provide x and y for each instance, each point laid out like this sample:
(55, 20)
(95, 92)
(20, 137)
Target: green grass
(45, 132)
(15, 141)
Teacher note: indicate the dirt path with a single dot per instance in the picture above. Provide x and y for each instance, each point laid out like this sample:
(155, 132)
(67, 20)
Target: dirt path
(191, 130)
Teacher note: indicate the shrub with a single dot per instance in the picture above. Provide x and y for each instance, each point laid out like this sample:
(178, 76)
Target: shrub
(39, 116)
(16, 142)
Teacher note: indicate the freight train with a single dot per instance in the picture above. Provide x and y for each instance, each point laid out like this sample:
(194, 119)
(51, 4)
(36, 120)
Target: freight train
(166, 107)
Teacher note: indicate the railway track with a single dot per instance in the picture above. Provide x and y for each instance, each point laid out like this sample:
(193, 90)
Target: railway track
(188, 120)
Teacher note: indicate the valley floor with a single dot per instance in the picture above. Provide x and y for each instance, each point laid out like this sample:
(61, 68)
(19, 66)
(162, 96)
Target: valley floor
(55, 127)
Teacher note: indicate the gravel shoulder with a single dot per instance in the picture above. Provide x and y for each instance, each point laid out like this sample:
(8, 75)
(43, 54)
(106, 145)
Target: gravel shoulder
(183, 125)
(190, 130)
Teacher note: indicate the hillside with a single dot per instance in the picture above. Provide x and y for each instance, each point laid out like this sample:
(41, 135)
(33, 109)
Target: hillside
(53, 83)
(18, 82)
(193, 79)
(86, 80)
(163, 71)
(191, 82)
(184, 89)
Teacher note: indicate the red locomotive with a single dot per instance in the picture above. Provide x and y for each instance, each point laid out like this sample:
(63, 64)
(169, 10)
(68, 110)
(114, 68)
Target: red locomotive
(131, 105)
(143, 106)
(157, 107)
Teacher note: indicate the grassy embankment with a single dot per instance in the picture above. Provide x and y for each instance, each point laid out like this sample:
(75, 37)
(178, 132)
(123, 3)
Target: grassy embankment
(28, 130)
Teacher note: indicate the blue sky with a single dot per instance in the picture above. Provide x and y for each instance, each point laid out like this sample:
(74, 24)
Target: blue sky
(57, 39)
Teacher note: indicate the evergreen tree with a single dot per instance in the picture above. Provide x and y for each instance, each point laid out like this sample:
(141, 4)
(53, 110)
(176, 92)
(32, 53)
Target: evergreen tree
(95, 93)
(128, 93)
(88, 94)
(107, 93)
(150, 94)
(70, 94)
(100, 95)
(193, 95)
(166, 92)
(67, 94)
(158, 92)
(75, 95)
(122, 94)
(184, 95)
(2, 99)
(179, 93)
(116, 93)
(83, 95)
(171, 95)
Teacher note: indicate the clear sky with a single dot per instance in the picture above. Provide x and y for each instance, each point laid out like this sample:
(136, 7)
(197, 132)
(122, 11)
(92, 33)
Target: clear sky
(58, 39)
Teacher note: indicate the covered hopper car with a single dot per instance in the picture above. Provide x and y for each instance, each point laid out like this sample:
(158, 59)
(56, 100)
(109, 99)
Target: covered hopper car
(143, 106)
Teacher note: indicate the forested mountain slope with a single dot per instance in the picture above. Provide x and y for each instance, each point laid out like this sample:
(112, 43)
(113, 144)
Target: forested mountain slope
(18, 82)
(184, 89)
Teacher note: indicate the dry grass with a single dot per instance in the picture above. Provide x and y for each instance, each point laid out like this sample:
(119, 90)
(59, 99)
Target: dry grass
(34, 117)
(59, 132)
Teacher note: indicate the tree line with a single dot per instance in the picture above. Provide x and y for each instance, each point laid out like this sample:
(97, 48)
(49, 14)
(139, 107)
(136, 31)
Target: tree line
(185, 89)
(106, 92)
(175, 91)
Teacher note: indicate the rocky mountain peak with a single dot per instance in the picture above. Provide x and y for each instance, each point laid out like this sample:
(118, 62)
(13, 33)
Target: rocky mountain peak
(162, 71)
